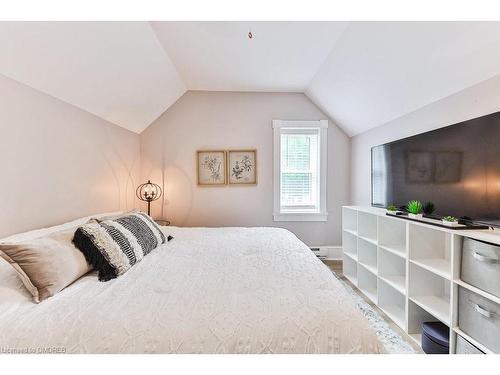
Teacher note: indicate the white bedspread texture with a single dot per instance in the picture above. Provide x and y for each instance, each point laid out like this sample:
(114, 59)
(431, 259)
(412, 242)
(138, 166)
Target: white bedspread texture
(210, 290)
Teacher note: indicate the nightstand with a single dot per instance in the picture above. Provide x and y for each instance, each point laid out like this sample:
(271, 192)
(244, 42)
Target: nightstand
(162, 223)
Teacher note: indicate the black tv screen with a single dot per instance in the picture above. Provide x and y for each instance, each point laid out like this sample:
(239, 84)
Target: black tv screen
(456, 167)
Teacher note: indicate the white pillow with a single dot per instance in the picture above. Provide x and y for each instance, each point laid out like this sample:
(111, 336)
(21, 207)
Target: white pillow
(12, 290)
(37, 233)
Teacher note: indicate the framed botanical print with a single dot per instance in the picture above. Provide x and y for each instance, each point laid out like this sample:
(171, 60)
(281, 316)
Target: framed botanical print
(242, 167)
(211, 168)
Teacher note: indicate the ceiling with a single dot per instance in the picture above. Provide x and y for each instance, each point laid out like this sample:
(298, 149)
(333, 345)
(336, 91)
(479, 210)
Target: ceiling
(116, 70)
(281, 56)
(361, 74)
(379, 71)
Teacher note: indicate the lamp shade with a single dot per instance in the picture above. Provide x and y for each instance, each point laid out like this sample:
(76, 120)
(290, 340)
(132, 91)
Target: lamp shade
(148, 192)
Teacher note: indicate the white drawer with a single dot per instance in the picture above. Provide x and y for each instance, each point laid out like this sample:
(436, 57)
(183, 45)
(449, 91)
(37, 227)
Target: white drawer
(465, 347)
(481, 265)
(479, 318)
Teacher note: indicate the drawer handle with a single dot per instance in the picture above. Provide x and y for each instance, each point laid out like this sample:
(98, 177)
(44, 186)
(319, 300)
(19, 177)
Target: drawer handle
(484, 312)
(484, 258)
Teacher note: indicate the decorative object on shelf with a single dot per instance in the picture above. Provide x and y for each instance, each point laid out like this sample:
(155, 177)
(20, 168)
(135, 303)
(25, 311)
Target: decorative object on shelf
(211, 168)
(439, 223)
(415, 209)
(450, 221)
(429, 208)
(148, 192)
(392, 209)
(242, 167)
(435, 338)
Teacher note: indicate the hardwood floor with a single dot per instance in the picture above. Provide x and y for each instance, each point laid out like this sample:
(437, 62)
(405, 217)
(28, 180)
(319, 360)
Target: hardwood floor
(336, 266)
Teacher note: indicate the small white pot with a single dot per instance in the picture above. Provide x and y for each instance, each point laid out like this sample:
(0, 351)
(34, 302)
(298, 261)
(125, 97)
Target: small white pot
(391, 212)
(450, 223)
(416, 216)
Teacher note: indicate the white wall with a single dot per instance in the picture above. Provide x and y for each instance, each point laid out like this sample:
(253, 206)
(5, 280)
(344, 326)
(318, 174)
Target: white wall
(473, 102)
(225, 120)
(58, 162)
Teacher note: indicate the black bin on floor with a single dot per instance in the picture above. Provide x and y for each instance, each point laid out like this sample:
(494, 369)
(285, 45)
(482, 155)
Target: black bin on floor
(435, 338)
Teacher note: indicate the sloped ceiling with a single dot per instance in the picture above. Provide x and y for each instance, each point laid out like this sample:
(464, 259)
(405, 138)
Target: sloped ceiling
(219, 56)
(115, 70)
(379, 71)
(362, 74)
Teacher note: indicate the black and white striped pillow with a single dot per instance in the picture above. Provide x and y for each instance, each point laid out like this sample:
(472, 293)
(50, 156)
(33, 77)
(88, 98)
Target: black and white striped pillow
(113, 246)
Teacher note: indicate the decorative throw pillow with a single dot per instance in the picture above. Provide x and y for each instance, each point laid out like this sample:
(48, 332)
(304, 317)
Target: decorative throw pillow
(113, 246)
(46, 265)
(37, 233)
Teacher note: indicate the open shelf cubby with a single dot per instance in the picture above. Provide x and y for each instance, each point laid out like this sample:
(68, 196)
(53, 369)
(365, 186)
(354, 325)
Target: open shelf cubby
(350, 220)
(350, 269)
(392, 235)
(392, 270)
(431, 292)
(367, 227)
(367, 283)
(430, 249)
(416, 316)
(392, 303)
(367, 255)
(350, 244)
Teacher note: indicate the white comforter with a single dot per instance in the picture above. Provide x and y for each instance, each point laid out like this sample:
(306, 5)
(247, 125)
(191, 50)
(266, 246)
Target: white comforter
(225, 290)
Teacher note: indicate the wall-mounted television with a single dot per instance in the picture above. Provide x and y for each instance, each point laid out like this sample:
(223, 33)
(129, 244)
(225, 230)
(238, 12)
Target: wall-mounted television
(456, 167)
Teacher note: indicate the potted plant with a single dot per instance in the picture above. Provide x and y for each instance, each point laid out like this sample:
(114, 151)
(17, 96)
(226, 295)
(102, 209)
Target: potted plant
(429, 208)
(392, 209)
(414, 209)
(450, 221)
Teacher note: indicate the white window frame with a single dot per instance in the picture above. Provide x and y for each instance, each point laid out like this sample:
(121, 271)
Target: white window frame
(320, 214)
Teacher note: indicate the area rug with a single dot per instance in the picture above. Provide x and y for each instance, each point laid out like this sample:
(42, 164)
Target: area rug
(393, 343)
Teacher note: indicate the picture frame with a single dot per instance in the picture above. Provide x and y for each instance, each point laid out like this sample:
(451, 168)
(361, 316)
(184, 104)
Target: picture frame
(242, 167)
(420, 167)
(211, 167)
(448, 166)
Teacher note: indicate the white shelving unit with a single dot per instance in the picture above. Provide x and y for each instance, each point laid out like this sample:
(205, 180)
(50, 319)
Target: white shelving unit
(431, 292)
(367, 282)
(410, 270)
(392, 270)
(392, 302)
(367, 227)
(367, 255)
(430, 249)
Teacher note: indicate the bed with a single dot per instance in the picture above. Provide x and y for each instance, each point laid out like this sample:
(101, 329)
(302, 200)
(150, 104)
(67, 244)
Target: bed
(210, 290)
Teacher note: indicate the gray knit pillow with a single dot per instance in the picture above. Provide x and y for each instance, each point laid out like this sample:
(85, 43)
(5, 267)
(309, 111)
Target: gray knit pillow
(113, 246)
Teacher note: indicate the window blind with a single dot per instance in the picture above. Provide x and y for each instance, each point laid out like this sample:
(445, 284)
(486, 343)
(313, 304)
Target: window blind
(299, 169)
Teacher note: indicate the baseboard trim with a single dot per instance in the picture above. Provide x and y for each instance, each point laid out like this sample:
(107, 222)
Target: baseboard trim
(331, 252)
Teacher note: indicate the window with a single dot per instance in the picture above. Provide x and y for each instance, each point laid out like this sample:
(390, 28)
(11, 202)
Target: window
(300, 170)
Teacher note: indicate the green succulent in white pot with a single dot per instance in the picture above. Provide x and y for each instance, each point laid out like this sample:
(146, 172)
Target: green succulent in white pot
(449, 221)
(415, 209)
(392, 209)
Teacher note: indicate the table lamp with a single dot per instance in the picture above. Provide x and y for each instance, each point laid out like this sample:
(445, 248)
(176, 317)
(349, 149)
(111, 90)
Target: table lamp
(148, 192)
